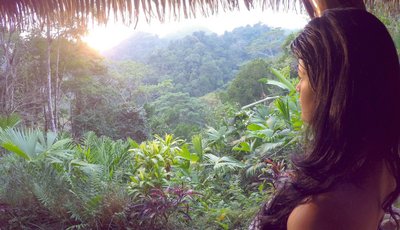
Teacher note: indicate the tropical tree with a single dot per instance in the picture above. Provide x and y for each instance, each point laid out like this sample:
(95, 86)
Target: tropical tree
(246, 88)
(177, 113)
(10, 45)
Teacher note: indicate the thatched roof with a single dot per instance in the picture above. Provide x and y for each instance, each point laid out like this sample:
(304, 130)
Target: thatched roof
(26, 12)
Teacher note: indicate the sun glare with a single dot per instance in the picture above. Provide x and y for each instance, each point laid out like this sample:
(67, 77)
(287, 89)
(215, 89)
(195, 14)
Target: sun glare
(103, 38)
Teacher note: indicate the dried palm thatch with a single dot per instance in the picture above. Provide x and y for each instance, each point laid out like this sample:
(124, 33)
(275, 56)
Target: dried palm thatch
(128, 11)
(26, 12)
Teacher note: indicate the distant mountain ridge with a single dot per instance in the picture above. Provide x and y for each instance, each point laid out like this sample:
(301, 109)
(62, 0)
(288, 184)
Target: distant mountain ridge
(137, 47)
(201, 62)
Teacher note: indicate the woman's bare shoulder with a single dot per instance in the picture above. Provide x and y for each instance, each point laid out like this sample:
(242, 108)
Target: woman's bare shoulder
(334, 211)
(314, 216)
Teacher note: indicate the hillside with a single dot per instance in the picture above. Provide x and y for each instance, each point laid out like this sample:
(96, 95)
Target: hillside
(201, 62)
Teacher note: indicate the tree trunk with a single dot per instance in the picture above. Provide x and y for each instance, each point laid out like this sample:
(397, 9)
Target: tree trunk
(49, 93)
(7, 88)
(57, 87)
(315, 8)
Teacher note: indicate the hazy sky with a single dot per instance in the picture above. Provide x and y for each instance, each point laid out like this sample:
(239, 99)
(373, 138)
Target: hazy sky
(103, 38)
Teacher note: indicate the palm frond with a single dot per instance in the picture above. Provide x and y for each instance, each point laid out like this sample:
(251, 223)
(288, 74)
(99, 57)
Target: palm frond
(24, 143)
(9, 121)
(219, 163)
(254, 169)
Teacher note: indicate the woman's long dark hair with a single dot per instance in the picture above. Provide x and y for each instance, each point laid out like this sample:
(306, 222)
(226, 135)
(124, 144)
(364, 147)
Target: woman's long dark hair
(353, 69)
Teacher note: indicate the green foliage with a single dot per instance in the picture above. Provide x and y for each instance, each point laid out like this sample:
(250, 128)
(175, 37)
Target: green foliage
(95, 181)
(391, 21)
(69, 59)
(177, 113)
(28, 144)
(99, 182)
(157, 208)
(51, 177)
(9, 121)
(100, 106)
(267, 44)
(201, 62)
(263, 132)
(229, 208)
(197, 143)
(218, 108)
(246, 87)
(112, 174)
(154, 161)
(273, 131)
(113, 156)
(221, 163)
(283, 82)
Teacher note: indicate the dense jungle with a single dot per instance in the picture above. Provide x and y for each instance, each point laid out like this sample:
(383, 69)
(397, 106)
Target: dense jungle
(158, 133)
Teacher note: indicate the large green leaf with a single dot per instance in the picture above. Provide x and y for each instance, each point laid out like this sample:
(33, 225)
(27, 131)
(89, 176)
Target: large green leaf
(24, 140)
(243, 147)
(283, 80)
(15, 149)
(197, 144)
(283, 108)
(255, 127)
(185, 154)
(277, 83)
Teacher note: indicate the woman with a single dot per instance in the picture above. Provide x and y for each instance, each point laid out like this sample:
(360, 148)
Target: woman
(349, 91)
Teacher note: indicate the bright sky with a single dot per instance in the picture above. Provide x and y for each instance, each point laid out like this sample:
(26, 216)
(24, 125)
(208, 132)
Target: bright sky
(103, 38)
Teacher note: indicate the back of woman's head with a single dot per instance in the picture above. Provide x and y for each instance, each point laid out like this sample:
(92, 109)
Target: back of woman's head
(354, 73)
(353, 70)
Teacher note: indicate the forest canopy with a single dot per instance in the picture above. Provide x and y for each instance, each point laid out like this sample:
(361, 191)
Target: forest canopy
(185, 133)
